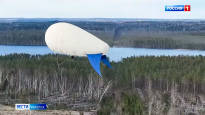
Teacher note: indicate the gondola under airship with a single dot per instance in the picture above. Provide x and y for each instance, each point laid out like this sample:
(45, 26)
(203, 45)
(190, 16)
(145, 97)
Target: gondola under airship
(65, 38)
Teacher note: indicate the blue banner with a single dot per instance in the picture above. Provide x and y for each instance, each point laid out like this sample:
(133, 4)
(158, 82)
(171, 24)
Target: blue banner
(38, 107)
(174, 8)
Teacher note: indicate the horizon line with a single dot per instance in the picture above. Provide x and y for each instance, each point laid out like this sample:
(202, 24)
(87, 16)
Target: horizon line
(99, 18)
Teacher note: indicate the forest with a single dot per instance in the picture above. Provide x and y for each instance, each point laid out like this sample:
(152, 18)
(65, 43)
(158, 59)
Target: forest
(134, 86)
(165, 34)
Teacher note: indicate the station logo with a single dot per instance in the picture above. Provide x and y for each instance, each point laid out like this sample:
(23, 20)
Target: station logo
(178, 8)
(187, 7)
(30, 106)
(22, 106)
(38, 107)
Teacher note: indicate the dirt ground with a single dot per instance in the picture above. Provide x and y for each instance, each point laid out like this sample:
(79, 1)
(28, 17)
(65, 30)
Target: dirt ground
(7, 110)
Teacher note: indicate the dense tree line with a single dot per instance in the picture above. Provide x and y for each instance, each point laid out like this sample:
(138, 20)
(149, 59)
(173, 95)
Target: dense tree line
(143, 34)
(68, 83)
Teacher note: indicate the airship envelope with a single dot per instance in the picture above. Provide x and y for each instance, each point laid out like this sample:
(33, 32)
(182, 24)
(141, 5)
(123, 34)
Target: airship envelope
(65, 38)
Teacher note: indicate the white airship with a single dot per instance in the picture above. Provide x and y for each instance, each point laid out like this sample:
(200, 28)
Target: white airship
(65, 38)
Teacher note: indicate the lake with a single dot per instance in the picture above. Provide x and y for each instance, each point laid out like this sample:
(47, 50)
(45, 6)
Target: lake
(115, 54)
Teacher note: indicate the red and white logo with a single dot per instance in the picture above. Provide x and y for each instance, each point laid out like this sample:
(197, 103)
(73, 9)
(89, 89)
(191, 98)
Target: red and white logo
(187, 7)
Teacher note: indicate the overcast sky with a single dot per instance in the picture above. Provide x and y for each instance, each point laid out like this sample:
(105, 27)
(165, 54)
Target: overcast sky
(99, 9)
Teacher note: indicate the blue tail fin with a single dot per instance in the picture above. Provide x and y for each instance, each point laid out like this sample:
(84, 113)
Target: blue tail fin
(105, 61)
(94, 60)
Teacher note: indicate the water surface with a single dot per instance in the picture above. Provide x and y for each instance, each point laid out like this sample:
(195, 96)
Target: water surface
(115, 54)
